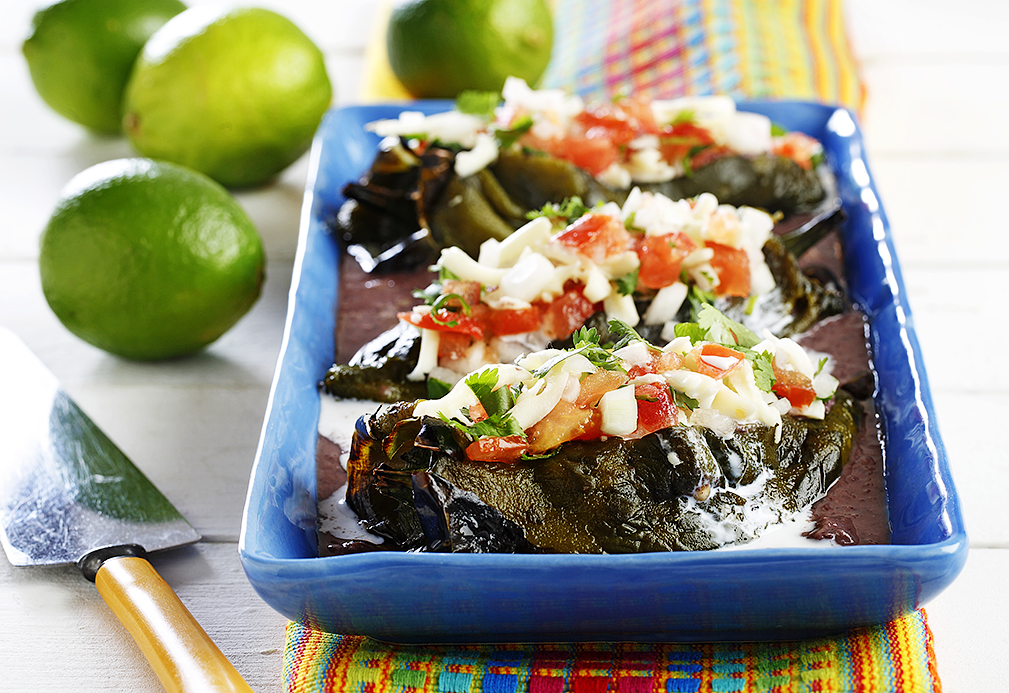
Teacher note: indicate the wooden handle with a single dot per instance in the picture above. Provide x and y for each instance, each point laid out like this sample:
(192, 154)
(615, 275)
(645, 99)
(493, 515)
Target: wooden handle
(178, 649)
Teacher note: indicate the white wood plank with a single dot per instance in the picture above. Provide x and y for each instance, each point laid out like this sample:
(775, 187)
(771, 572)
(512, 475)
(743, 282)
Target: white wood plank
(244, 357)
(970, 622)
(903, 30)
(941, 109)
(58, 634)
(943, 211)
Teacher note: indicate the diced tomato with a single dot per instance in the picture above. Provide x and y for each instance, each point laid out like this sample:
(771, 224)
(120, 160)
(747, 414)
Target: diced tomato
(660, 258)
(595, 385)
(566, 313)
(709, 154)
(639, 111)
(676, 140)
(798, 147)
(467, 291)
(595, 236)
(446, 321)
(714, 360)
(453, 346)
(566, 421)
(733, 269)
(639, 370)
(477, 413)
(594, 155)
(655, 408)
(517, 321)
(497, 449)
(668, 361)
(793, 386)
(604, 121)
(620, 121)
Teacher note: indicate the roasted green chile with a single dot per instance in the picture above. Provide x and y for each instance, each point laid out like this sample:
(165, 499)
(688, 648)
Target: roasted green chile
(681, 488)
(404, 192)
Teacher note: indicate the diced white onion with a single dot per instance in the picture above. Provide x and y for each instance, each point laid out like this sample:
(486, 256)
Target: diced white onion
(597, 285)
(749, 133)
(536, 402)
(534, 234)
(666, 304)
(679, 345)
(456, 261)
(459, 398)
(483, 153)
(427, 359)
(636, 353)
(698, 386)
(622, 308)
(528, 278)
(619, 411)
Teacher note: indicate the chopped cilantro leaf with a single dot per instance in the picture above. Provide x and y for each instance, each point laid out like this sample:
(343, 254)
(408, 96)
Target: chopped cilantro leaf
(695, 332)
(507, 137)
(629, 223)
(698, 299)
(482, 382)
(763, 370)
(713, 326)
(725, 330)
(436, 389)
(683, 401)
(494, 426)
(478, 103)
(571, 209)
(428, 295)
(626, 334)
(441, 305)
(819, 367)
(495, 400)
(444, 274)
(586, 342)
(628, 283)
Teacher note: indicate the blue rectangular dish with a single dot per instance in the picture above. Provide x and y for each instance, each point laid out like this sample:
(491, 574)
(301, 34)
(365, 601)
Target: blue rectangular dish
(759, 594)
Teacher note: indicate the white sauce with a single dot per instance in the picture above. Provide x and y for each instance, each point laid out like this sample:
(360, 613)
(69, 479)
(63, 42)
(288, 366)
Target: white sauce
(337, 419)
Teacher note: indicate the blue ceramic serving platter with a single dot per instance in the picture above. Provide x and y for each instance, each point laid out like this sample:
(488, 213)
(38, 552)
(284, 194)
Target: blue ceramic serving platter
(759, 594)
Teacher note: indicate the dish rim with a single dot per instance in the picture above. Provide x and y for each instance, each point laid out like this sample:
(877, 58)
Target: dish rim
(933, 563)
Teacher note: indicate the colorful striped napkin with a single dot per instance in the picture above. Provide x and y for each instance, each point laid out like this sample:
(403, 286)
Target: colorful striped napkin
(748, 49)
(893, 658)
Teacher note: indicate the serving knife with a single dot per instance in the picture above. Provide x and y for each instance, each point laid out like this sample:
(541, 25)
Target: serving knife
(68, 494)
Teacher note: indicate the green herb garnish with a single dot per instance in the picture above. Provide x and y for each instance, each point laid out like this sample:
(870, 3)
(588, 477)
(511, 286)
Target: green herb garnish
(436, 389)
(628, 283)
(441, 304)
(568, 211)
(506, 137)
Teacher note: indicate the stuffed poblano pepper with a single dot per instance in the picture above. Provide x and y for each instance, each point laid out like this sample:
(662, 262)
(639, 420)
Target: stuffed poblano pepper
(473, 173)
(703, 442)
(651, 263)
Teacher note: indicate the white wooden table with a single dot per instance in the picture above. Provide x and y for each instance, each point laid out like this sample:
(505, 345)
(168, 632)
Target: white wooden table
(939, 149)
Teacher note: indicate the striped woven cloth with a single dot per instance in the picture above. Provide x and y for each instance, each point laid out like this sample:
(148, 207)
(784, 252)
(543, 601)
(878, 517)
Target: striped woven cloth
(748, 49)
(893, 658)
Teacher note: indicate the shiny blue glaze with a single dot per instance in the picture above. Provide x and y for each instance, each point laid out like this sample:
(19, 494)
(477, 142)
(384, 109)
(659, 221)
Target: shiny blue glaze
(738, 595)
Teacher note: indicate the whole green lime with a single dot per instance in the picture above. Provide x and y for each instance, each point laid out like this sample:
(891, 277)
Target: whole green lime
(80, 53)
(236, 94)
(149, 260)
(439, 48)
